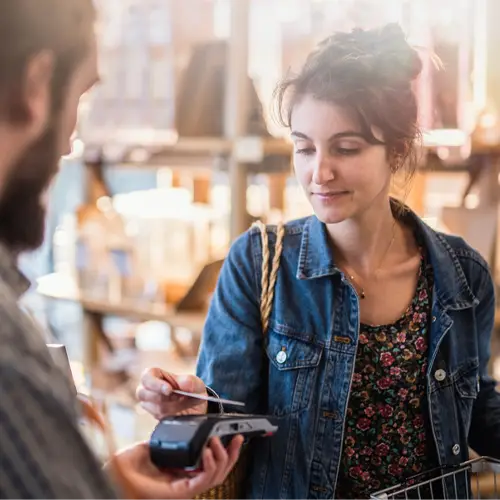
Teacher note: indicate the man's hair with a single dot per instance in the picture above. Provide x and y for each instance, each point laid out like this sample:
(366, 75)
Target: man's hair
(29, 27)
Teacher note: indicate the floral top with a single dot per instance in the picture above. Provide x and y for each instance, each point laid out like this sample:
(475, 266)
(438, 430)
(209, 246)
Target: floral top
(385, 436)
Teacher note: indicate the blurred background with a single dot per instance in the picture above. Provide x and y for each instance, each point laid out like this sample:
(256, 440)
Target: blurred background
(176, 153)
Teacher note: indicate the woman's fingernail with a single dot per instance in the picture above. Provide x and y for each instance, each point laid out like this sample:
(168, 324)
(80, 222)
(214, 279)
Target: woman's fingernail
(165, 389)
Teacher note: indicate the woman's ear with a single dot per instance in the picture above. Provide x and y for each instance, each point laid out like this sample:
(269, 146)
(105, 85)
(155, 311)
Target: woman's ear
(398, 157)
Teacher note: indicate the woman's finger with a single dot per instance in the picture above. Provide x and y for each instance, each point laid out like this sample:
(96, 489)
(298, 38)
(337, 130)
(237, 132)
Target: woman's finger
(231, 455)
(205, 479)
(153, 409)
(190, 383)
(158, 381)
(234, 452)
(209, 463)
(221, 459)
(145, 396)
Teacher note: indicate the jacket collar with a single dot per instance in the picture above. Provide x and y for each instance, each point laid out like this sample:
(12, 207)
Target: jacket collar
(316, 255)
(451, 287)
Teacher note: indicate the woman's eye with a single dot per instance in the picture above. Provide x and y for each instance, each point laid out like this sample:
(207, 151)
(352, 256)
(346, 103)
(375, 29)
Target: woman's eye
(348, 151)
(305, 151)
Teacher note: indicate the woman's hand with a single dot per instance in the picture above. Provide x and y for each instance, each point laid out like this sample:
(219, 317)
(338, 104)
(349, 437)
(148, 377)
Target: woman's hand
(147, 481)
(156, 396)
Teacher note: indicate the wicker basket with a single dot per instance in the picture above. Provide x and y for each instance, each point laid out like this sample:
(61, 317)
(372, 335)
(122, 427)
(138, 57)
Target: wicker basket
(234, 485)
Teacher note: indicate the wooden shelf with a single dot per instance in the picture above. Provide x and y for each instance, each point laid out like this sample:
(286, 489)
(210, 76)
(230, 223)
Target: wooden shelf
(59, 287)
(197, 152)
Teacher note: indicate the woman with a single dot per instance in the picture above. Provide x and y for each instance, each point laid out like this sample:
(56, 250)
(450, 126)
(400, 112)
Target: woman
(378, 343)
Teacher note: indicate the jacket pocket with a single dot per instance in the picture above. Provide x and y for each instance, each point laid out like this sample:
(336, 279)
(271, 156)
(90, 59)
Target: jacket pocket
(464, 380)
(467, 385)
(293, 370)
(466, 390)
(457, 395)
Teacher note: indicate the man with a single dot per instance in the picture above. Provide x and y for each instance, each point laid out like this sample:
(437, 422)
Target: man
(47, 61)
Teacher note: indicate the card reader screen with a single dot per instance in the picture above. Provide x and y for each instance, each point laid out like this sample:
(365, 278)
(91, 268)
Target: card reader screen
(178, 433)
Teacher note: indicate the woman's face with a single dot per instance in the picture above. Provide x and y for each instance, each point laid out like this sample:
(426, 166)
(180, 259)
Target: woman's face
(341, 173)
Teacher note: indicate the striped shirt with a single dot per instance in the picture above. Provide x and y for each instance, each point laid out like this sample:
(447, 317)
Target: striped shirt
(42, 452)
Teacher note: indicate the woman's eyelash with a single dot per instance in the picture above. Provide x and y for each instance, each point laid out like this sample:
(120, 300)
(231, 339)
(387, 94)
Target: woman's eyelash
(348, 151)
(341, 151)
(305, 151)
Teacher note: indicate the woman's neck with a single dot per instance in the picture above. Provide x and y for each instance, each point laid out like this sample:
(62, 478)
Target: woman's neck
(363, 243)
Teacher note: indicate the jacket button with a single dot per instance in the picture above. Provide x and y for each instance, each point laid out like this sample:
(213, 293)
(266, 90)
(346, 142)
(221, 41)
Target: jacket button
(281, 357)
(440, 375)
(456, 449)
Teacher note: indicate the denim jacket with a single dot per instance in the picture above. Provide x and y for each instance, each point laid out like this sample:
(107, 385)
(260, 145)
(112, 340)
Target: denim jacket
(315, 323)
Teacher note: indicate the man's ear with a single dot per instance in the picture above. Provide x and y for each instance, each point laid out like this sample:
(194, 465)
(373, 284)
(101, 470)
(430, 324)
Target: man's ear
(36, 91)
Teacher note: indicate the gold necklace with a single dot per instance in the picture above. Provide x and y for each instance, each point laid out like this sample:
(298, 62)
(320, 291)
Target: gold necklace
(360, 289)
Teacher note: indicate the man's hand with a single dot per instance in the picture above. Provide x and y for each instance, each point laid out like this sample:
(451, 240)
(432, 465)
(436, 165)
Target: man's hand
(150, 482)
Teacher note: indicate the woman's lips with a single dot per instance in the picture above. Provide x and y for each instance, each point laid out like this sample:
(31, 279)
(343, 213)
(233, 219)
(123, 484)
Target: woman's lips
(331, 196)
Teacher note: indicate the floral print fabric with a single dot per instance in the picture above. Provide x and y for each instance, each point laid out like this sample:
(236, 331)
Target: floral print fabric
(385, 437)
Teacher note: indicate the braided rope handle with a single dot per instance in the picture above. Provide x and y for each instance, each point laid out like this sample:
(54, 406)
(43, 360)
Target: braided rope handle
(268, 281)
(232, 486)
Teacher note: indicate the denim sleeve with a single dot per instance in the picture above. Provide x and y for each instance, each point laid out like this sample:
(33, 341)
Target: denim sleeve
(484, 434)
(231, 359)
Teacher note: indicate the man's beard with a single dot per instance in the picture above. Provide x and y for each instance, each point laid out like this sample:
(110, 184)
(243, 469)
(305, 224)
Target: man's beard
(22, 212)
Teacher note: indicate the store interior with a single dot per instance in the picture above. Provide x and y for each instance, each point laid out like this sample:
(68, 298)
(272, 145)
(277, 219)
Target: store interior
(177, 152)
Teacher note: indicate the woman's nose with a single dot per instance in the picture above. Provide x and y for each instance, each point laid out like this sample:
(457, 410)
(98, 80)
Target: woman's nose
(324, 170)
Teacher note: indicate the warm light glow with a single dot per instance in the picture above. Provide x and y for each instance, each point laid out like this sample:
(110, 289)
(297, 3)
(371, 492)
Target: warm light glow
(104, 204)
(432, 222)
(145, 136)
(487, 120)
(480, 75)
(288, 11)
(175, 203)
(77, 149)
(443, 153)
(496, 369)
(444, 137)
(78, 373)
(139, 155)
(471, 201)
(222, 19)
(164, 178)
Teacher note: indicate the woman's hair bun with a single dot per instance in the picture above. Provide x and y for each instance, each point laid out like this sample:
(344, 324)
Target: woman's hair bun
(393, 45)
(384, 52)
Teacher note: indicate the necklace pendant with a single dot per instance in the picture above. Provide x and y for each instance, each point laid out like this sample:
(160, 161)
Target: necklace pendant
(362, 294)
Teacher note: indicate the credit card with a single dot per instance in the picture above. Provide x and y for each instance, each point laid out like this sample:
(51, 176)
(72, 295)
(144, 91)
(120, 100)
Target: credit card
(208, 398)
